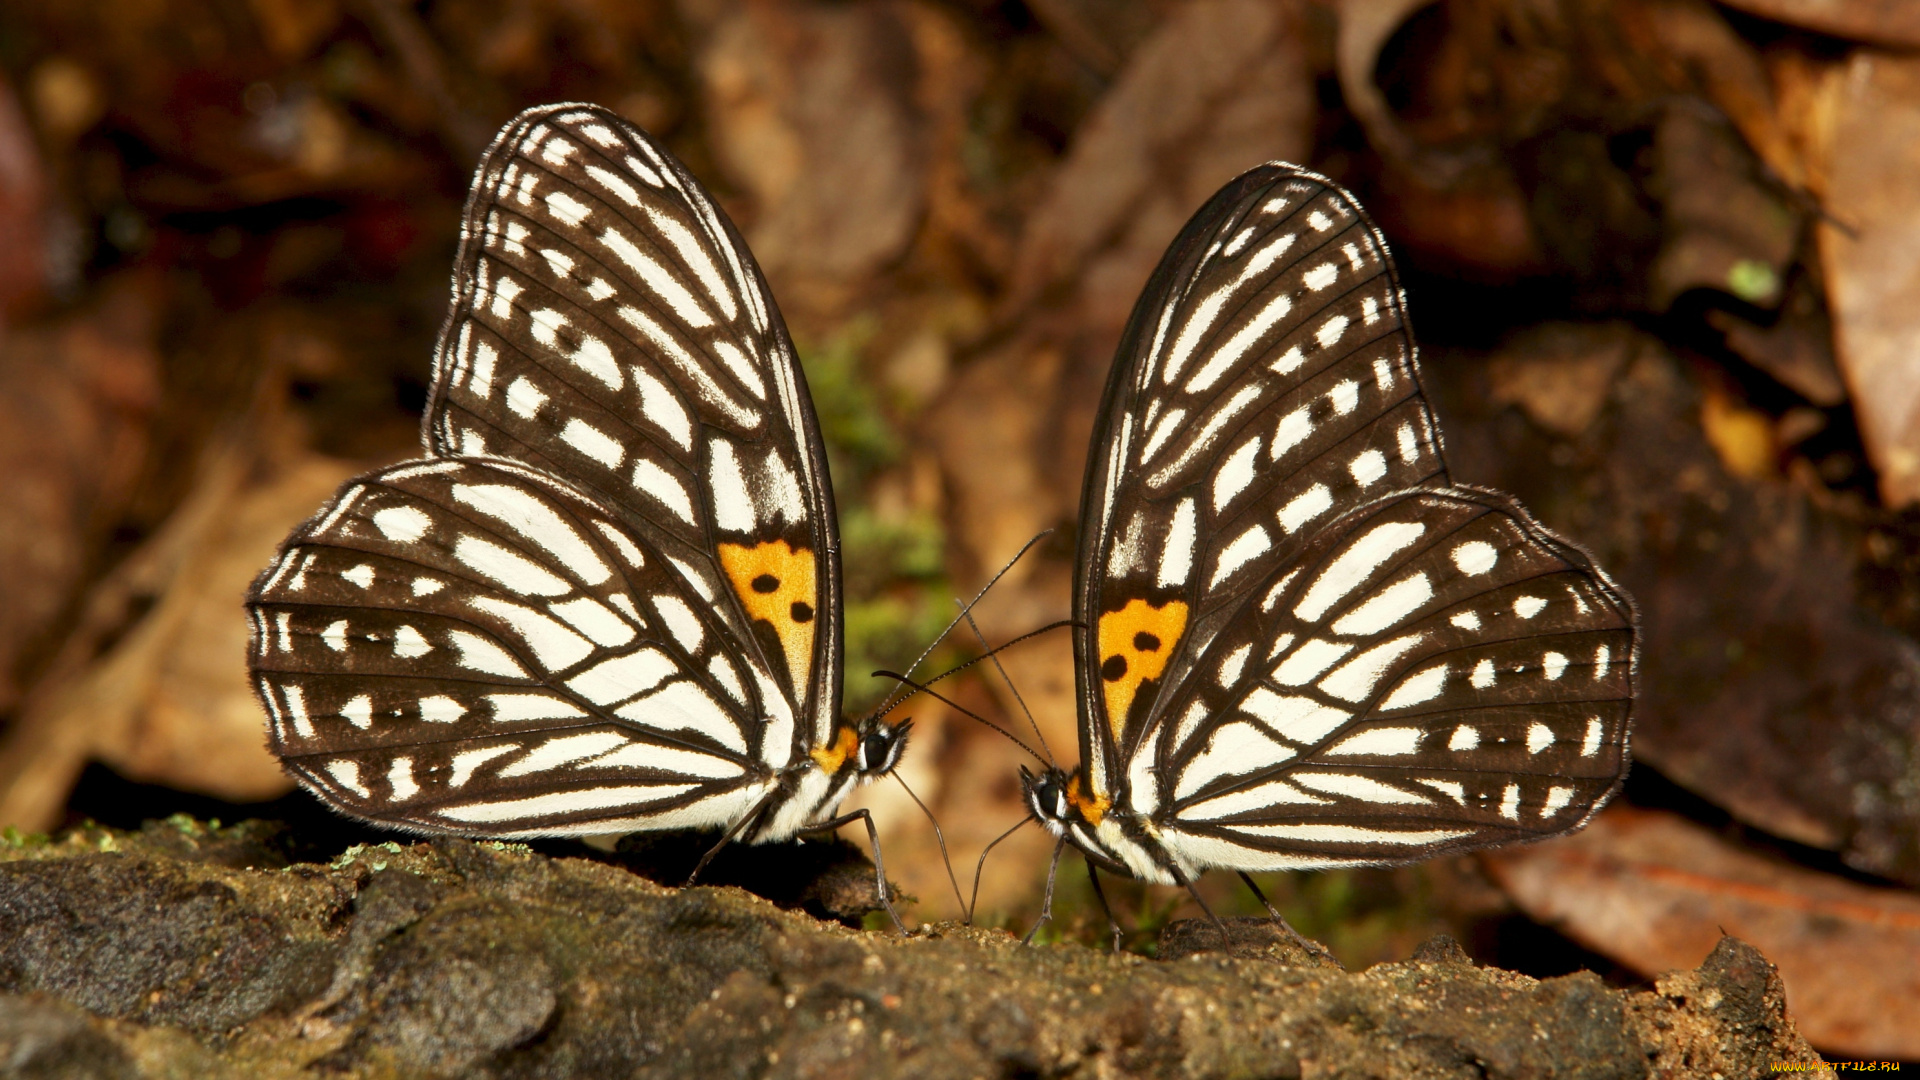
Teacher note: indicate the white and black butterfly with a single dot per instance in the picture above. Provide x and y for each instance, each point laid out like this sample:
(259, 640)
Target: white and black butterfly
(1303, 646)
(608, 599)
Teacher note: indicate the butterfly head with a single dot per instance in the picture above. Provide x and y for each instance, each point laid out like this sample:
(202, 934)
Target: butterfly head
(1059, 799)
(878, 746)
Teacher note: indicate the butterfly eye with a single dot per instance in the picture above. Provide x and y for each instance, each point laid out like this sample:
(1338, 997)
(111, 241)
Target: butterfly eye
(874, 751)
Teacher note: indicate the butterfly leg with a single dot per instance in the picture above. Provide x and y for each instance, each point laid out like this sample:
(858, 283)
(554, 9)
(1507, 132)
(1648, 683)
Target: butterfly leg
(739, 827)
(1313, 948)
(1113, 924)
(1046, 903)
(879, 864)
(1226, 941)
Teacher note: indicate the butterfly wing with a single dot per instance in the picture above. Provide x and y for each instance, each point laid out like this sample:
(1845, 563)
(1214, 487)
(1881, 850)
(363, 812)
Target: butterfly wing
(471, 646)
(1307, 646)
(1437, 672)
(1266, 377)
(609, 326)
(623, 540)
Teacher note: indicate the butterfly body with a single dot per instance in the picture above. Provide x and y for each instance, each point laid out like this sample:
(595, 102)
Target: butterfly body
(608, 599)
(1305, 645)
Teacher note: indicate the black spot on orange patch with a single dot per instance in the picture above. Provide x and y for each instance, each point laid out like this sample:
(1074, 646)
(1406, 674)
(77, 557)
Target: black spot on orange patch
(775, 583)
(1136, 642)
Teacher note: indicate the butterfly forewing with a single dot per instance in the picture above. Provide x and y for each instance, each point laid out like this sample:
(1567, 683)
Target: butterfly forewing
(610, 328)
(1436, 673)
(1267, 380)
(468, 645)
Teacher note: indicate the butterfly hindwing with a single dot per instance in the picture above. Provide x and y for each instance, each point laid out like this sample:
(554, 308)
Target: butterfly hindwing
(1438, 672)
(610, 327)
(1267, 378)
(467, 645)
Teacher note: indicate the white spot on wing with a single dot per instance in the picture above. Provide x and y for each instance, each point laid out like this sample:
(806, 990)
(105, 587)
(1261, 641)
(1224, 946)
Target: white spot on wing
(358, 711)
(1590, 745)
(595, 620)
(1466, 620)
(1557, 800)
(1355, 679)
(563, 749)
(347, 775)
(440, 709)
(1368, 467)
(1236, 473)
(1309, 660)
(1386, 608)
(479, 654)
(400, 778)
(1539, 737)
(620, 677)
(1321, 276)
(466, 761)
(732, 502)
(681, 622)
(335, 635)
(1553, 665)
(1482, 676)
(409, 643)
(1383, 742)
(1528, 606)
(1244, 549)
(553, 644)
(1352, 567)
(1510, 803)
(1356, 787)
(1424, 685)
(665, 488)
(361, 575)
(1176, 556)
(524, 399)
(1304, 507)
(593, 442)
(402, 524)
(1475, 557)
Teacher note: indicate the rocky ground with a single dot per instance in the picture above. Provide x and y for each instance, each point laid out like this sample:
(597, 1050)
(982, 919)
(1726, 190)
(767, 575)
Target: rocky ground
(196, 951)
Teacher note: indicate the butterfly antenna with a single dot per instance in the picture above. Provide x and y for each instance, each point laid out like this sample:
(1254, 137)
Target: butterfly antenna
(965, 664)
(937, 696)
(887, 705)
(938, 836)
(994, 655)
(981, 866)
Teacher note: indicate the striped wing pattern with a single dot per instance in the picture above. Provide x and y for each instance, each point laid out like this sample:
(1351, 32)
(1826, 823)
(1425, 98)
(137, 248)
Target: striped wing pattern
(1306, 646)
(467, 645)
(609, 597)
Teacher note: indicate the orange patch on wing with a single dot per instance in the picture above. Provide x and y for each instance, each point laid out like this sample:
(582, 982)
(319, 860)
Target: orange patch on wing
(775, 584)
(830, 758)
(1134, 645)
(1092, 807)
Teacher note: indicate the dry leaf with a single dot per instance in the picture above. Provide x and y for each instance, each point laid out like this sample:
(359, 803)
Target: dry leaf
(811, 111)
(1868, 111)
(75, 401)
(1559, 373)
(1657, 893)
(1888, 22)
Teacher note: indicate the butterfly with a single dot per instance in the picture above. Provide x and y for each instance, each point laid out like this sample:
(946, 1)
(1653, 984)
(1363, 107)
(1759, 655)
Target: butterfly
(1304, 646)
(608, 599)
